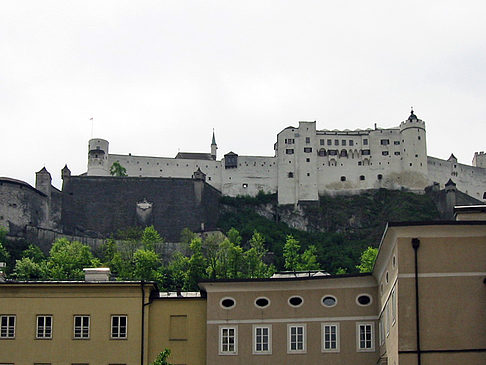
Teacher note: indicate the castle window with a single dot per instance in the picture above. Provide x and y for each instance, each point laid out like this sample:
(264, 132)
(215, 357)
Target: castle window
(322, 152)
(359, 163)
(336, 142)
(343, 142)
(484, 195)
(209, 178)
(365, 142)
(290, 175)
(362, 177)
(397, 153)
(307, 160)
(385, 142)
(307, 149)
(308, 174)
(351, 142)
(410, 164)
(321, 142)
(245, 185)
(289, 151)
(419, 138)
(343, 178)
(384, 153)
(379, 177)
(307, 139)
(396, 142)
(343, 153)
(416, 155)
(365, 152)
(329, 142)
(333, 152)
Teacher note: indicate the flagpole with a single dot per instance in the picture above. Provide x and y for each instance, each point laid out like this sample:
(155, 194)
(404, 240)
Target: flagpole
(92, 123)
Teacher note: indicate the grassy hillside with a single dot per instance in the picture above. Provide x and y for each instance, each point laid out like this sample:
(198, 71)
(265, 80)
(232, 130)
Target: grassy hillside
(340, 227)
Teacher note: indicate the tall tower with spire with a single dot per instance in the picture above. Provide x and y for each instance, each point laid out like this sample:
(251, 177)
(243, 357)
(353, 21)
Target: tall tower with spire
(214, 147)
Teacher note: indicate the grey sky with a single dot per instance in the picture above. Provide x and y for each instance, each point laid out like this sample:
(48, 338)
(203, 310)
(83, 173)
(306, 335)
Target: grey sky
(158, 76)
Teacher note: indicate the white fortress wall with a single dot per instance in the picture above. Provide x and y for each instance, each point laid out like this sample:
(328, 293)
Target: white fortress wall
(251, 175)
(468, 179)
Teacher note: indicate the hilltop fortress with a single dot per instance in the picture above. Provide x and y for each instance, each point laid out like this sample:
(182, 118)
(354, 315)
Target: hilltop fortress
(309, 162)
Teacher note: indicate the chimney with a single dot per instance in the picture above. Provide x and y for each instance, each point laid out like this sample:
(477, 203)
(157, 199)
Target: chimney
(97, 274)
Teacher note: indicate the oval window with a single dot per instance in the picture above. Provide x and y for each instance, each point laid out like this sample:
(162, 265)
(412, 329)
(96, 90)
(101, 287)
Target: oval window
(262, 302)
(296, 301)
(227, 303)
(363, 299)
(329, 301)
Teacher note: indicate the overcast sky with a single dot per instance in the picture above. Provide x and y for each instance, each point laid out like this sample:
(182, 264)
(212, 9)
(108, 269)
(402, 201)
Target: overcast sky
(158, 76)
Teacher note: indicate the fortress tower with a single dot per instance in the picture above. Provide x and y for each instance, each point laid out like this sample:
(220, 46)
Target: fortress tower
(98, 164)
(414, 152)
(214, 147)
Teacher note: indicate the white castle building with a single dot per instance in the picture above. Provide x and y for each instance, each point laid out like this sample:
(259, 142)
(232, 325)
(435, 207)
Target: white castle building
(310, 162)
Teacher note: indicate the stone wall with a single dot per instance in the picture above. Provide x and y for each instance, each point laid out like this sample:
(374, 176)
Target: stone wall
(98, 206)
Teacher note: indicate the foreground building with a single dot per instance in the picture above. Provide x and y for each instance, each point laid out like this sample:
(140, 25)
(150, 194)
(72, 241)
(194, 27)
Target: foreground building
(424, 303)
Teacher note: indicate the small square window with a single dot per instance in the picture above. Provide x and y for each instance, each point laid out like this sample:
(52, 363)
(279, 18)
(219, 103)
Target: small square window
(307, 160)
(307, 139)
(365, 141)
(351, 142)
(289, 151)
(321, 142)
(384, 153)
(290, 175)
(307, 149)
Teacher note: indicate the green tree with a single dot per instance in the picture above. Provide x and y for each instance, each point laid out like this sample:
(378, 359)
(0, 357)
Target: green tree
(4, 255)
(34, 253)
(146, 266)
(117, 169)
(178, 268)
(68, 259)
(196, 266)
(308, 260)
(255, 266)
(211, 247)
(291, 254)
(367, 260)
(161, 358)
(150, 237)
(28, 269)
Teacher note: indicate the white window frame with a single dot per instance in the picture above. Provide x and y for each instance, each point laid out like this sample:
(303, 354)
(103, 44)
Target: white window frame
(7, 330)
(381, 330)
(44, 331)
(337, 333)
(119, 332)
(388, 318)
(221, 330)
(81, 332)
(394, 306)
(268, 327)
(289, 338)
(359, 325)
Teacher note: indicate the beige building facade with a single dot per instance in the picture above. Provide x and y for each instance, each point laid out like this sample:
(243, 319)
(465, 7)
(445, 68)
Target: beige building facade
(423, 304)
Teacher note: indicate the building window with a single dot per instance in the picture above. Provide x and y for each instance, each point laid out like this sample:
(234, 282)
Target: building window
(296, 338)
(307, 160)
(81, 327)
(363, 300)
(322, 152)
(382, 331)
(343, 142)
(394, 307)
(289, 151)
(385, 142)
(329, 301)
(321, 142)
(365, 142)
(228, 340)
(343, 153)
(262, 339)
(351, 142)
(262, 302)
(379, 176)
(118, 327)
(365, 337)
(396, 143)
(290, 175)
(307, 149)
(7, 326)
(343, 178)
(296, 301)
(336, 142)
(329, 142)
(44, 327)
(362, 177)
(307, 139)
(397, 153)
(330, 337)
(227, 303)
(289, 141)
(244, 185)
(365, 152)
